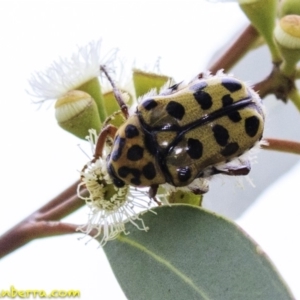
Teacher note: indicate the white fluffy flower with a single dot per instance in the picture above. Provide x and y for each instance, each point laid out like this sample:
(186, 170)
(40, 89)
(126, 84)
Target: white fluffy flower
(70, 73)
(110, 207)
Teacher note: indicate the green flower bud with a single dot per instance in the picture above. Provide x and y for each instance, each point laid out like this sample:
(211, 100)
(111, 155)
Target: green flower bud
(93, 88)
(262, 15)
(112, 106)
(287, 36)
(289, 7)
(77, 112)
(145, 81)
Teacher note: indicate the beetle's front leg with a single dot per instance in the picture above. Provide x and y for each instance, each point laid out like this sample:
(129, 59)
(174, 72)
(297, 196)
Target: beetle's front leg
(108, 130)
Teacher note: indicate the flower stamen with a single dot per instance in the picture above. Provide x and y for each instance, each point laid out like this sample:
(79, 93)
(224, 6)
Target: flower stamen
(110, 207)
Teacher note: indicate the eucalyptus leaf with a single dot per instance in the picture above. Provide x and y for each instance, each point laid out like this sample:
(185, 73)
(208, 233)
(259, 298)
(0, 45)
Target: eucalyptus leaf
(190, 253)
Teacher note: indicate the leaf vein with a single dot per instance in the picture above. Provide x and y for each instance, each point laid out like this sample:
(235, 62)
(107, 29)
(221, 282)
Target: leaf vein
(162, 261)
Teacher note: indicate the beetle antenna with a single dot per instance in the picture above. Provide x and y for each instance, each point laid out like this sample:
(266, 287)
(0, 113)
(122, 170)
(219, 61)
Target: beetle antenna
(116, 92)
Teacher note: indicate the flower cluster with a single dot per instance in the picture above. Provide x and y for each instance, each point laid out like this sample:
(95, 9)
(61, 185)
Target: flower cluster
(110, 207)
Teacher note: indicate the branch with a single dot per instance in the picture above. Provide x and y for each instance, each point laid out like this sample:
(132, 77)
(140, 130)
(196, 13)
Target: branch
(27, 231)
(236, 50)
(276, 83)
(67, 193)
(281, 145)
(62, 209)
(43, 222)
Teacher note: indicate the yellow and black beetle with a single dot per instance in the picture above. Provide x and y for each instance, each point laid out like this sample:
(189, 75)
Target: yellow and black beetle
(183, 133)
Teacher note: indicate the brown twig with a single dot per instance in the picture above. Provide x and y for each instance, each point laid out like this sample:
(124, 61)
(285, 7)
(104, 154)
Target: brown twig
(43, 222)
(67, 193)
(276, 83)
(62, 209)
(282, 145)
(27, 231)
(236, 50)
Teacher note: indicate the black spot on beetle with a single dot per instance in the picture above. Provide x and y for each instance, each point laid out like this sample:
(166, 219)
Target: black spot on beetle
(231, 84)
(131, 131)
(251, 126)
(149, 171)
(149, 104)
(221, 134)
(230, 149)
(116, 180)
(195, 148)
(123, 171)
(175, 109)
(135, 172)
(184, 174)
(136, 176)
(204, 99)
(227, 100)
(234, 116)
(135, 181)
(135, 153)
(118, 146)
(150, 145)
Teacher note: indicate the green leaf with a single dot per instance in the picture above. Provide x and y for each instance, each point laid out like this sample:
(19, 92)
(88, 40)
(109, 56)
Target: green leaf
(190, 253)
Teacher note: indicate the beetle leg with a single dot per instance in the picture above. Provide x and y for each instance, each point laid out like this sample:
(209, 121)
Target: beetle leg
(228, 169)
(152, 193)
(117, 93)
(108, 130)
(199, 191)
(234, 170)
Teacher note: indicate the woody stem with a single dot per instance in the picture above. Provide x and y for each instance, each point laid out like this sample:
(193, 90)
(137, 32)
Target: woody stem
(281, 145)
(236, 50)
(43, 222)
